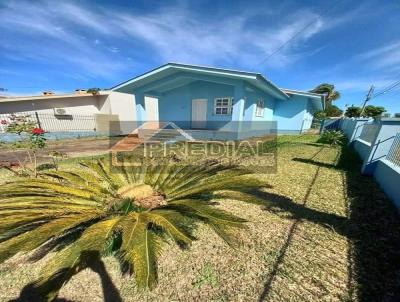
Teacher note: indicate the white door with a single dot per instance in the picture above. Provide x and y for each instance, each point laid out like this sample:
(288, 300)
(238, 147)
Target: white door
(151, 106)
(199, 113)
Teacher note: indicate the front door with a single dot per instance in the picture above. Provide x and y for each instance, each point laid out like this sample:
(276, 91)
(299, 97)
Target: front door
(152, 117)
(199, 113)
(151, 105)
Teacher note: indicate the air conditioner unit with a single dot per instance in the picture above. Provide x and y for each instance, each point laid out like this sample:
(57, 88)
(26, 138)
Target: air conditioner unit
(61, 111)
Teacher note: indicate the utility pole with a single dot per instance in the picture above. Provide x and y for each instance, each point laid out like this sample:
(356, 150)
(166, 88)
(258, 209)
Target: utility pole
(369, 95)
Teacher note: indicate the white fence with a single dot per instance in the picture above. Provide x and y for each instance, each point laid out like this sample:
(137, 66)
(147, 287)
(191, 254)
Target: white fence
(394, 152)
(369, 132)
(51, 122)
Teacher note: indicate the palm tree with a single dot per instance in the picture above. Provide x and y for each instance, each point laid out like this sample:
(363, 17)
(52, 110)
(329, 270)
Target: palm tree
(87, 210)
(329, 91)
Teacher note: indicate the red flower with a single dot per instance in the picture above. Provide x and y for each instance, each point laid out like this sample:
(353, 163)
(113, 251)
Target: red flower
(37, 131)
(3, 122)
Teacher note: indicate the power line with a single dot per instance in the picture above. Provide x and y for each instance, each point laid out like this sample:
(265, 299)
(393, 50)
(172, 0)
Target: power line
(387, 88)
(297, 34)
(287, 41)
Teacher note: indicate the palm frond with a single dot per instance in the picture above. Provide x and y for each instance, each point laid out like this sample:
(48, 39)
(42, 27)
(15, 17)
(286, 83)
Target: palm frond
(242, 182)
(140, 248)
(29, 241)
(75, 257)
(80, 180)
(174, 223)
(42, 184)
(206, 210)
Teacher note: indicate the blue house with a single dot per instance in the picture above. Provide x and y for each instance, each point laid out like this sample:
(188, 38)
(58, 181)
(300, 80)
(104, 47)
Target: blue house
(198, 97)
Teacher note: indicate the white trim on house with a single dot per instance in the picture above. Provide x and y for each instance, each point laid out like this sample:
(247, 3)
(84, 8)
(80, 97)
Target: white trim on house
(228, 107)
(303, 93)
(315, 96)
(249, 76)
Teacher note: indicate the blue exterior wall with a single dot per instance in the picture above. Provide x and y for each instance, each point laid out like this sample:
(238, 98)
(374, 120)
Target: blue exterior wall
(176, 92)
(388, 177)
(352, 127)
(374, 154)
(381, 145)
(176, 104)
(253, 95)
(290, 114)
(362, 148)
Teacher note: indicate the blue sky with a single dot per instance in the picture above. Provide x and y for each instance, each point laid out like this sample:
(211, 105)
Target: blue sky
(64, 45)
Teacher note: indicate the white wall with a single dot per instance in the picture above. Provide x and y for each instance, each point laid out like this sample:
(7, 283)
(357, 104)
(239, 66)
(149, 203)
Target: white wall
(123, 104)
(74, 105)
(112, 103)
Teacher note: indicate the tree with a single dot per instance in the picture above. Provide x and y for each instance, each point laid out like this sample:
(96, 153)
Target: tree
(373, 111)
(333, 111)
(329, 91)
(369, 111)
(353, 111)
(90, 210)
(94, 91)
(330, 111)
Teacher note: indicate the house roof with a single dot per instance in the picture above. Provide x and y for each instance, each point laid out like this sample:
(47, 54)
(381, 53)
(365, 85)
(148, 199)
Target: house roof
(318, 100)
(47, 97)
(257, 79)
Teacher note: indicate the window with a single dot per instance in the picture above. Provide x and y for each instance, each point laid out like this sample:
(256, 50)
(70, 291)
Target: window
(223, 106)
(260, 108)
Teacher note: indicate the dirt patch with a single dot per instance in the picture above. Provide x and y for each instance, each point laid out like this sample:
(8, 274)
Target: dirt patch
(71, 148)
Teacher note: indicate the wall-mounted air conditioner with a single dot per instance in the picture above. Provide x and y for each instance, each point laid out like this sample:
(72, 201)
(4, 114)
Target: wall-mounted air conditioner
(61, 111)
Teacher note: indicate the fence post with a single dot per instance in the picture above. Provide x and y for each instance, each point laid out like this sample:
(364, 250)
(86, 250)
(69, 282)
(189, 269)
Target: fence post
(38, 120)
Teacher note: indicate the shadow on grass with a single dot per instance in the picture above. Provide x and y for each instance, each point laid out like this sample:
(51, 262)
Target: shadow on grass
(372, 228)
(314, 162)
(287, 205)
(30, 292)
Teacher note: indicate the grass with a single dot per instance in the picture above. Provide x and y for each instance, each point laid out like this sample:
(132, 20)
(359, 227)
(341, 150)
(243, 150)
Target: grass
(325, 233)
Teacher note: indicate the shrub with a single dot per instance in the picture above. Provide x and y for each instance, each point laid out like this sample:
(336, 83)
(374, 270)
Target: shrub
(332, 137)
(88, 211)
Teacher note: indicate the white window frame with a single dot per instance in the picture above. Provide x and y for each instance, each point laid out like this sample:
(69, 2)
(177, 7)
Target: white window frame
(229, 106)
(260, 108)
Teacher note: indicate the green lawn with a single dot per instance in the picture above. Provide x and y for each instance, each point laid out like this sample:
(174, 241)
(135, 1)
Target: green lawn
(325, 233)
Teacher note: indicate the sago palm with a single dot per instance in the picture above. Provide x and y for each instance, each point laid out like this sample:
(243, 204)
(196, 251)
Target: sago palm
(89, 210)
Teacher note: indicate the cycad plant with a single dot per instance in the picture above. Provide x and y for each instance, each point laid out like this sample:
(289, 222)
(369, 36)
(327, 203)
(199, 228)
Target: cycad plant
(332, 137)
(88, 210)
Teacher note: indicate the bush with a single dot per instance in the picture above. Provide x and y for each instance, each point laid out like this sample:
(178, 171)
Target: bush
(332, 137)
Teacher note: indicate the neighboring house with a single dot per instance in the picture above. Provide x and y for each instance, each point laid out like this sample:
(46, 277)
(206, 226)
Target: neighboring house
(197, 97)
(79, 111)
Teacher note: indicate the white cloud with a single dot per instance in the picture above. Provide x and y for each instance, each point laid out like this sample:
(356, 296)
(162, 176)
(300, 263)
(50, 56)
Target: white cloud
(68, 32)
(362, 84)
(383, 57)
(178, 34)
(113, 49)
(43, 32)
